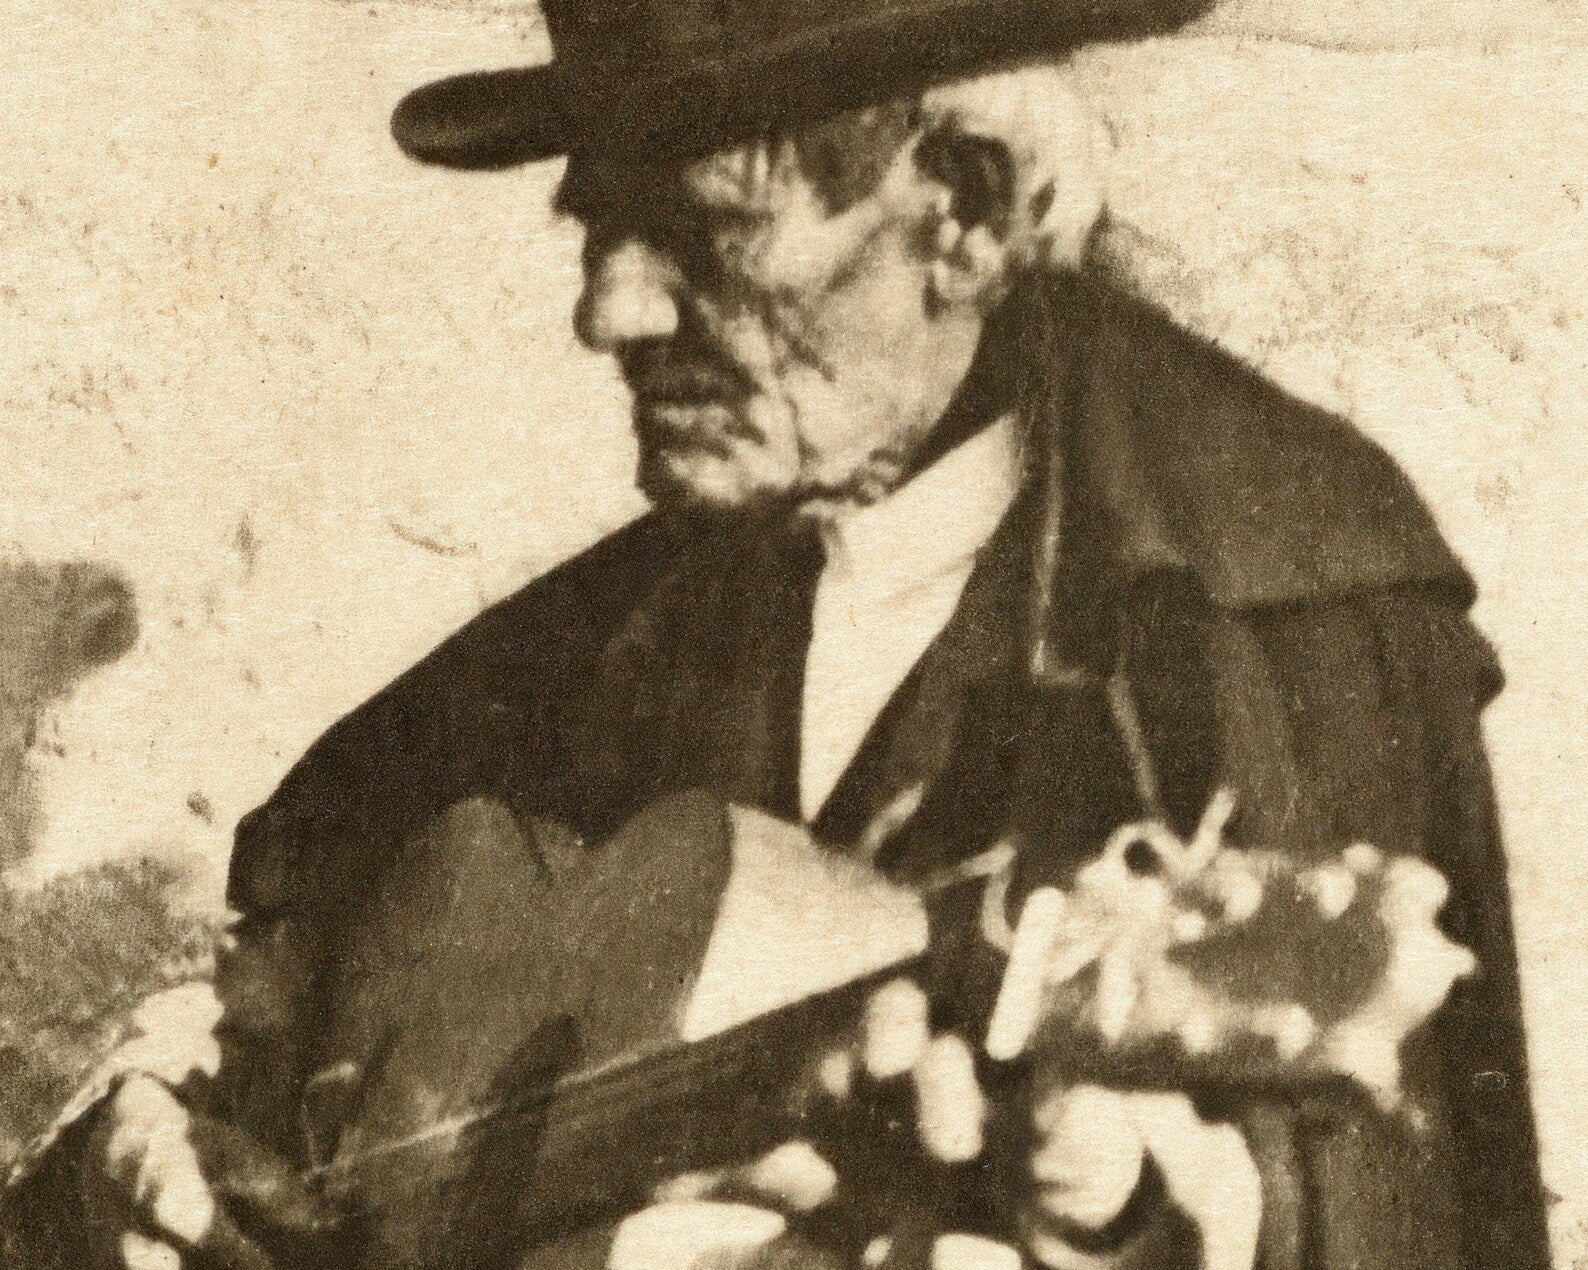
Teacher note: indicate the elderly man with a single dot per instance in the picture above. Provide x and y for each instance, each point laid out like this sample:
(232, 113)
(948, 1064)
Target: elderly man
(952, 544)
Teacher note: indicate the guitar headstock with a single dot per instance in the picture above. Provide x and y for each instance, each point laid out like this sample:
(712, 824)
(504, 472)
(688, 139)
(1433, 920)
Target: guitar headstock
(1199, 960)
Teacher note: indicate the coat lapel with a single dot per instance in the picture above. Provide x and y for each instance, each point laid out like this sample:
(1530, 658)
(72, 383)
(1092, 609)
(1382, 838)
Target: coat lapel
(914, 741)
(1186, 492)
(700, 689)
(700, 686)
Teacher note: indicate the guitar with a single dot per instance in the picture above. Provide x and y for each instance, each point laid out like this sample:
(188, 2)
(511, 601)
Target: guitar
(530, 1034)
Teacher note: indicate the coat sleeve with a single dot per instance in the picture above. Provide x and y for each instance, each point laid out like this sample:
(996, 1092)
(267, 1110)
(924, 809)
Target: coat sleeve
(484, 713)
(1381, 699)
(488, 713)
(1357, 719)
(305, 863)
(1436, 665)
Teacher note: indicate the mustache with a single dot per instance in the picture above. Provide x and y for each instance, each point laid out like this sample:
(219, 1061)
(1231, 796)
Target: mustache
(684, 370)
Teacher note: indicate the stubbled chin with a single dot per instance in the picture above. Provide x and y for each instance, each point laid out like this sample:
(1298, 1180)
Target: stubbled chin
(700, 482)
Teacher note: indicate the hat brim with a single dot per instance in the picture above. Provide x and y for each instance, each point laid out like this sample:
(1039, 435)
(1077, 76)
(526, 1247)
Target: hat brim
(502, 118)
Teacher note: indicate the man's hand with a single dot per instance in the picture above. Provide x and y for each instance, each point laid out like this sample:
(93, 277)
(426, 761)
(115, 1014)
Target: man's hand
(164, 1186)
(1091, 1147)
(148, 1202)
(1087, 1162)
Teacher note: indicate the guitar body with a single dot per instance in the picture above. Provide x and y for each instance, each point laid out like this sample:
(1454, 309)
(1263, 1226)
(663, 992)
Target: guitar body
(530, 1033)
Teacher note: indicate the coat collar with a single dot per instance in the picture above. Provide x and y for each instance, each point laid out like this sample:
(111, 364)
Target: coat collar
(1174, 455)
(933, 524)
(1175, 461)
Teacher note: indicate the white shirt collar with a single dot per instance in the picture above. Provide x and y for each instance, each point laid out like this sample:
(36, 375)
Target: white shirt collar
(933, 523)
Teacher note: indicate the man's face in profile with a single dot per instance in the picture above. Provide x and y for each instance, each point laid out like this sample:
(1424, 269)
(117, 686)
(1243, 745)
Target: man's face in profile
(781, 348)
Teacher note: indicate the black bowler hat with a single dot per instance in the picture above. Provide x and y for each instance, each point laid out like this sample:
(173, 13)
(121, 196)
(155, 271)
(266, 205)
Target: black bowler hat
(687, 76)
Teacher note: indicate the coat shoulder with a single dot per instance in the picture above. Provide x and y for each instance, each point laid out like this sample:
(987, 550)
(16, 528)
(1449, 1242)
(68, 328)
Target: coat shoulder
(445, 728)
(1188, 457)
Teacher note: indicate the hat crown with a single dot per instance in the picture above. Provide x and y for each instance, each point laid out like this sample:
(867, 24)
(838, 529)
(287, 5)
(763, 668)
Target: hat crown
(649, 76)
(657, 35)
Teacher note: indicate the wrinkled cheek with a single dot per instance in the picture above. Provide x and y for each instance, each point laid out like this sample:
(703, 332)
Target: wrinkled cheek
(775, 424)
(830, 424)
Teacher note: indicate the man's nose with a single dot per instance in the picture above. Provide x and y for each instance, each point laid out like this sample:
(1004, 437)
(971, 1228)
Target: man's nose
(630, 294)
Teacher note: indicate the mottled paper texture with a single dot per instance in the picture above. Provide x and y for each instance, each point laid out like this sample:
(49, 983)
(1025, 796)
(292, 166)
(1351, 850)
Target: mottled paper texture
(318, 405)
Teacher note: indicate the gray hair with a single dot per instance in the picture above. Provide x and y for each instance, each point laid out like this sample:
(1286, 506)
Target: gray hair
(1056, 150)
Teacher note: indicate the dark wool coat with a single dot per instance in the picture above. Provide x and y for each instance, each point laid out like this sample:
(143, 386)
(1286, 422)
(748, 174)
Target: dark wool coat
(1265, 581)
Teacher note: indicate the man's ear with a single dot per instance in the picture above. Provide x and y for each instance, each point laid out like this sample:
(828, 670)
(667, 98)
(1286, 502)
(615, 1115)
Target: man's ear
(968, 239)
(1019, 160)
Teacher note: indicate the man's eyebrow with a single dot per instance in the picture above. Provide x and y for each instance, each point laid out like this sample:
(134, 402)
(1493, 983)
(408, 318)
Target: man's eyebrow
(582, 202)
(581, 193)
(564, 199)
(584, 197)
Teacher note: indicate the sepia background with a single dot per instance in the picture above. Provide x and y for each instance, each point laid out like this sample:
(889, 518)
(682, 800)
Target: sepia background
(320, 405)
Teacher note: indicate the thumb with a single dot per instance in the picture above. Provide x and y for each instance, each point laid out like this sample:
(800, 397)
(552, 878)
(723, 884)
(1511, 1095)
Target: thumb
(690, 1234)
(147, 1150)
(154, 1149)
(793, 1177)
